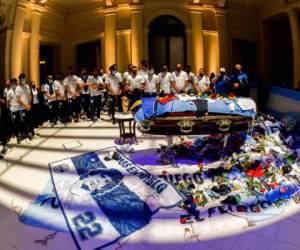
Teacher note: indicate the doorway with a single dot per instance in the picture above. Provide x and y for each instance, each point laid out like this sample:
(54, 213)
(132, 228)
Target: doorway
(89, 55)
(49, 60)
(167, 42)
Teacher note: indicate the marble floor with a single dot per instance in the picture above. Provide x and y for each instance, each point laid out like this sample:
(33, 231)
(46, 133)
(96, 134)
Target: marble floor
(24, 174)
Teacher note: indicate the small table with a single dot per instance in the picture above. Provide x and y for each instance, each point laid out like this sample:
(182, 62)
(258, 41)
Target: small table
(122, 118)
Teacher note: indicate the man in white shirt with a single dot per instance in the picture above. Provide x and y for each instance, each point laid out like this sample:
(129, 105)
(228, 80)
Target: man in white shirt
(144, 68)
(116, 72)
(180, 80)
(127, 73)
(166, 80)
(7, 88)
(202, 82)
(14, 108)
(135, 85)
(72, 84)
(191, 80)
(104, 91)
(85, 92)
(113, 83)
(50, 93)
(60, 91)
(95, 85)
(24, 98)
(36, 106)
(151, 83)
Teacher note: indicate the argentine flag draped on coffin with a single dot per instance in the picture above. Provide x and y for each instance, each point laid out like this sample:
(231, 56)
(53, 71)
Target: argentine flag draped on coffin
(104, 200)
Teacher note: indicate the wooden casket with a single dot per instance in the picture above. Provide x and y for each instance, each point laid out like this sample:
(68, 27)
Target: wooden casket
(190, 123)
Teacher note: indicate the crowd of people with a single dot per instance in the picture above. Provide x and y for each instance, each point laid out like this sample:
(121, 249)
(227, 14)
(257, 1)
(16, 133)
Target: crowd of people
(61, 100)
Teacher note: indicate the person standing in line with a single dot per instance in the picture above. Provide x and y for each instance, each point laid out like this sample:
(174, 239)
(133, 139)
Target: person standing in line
(24, 99)
(6, 110)
(191, 80)
(144, 68)
(72, 84)
(180, 80)
(95, 86)
(239, 82)
(135, 85)
(60, 91)
(85, 93)
(127, 73)
(113, 82)
(222, 83)
(202, 82)
(14, 108)
(49, 92)
(104, 91)
(36, 107)
(151, 83)
(166, 80)
(4, 130)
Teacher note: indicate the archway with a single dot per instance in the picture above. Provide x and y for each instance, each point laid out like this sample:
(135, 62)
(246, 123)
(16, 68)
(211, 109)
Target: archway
(167, 41)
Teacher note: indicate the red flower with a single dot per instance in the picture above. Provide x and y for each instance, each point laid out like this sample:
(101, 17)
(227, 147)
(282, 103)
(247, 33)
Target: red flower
(232, 96)
(273, 185)
(183, 220)
(214, 96)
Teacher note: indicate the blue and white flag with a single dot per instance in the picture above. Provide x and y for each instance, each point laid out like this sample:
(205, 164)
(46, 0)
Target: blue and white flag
(103, 201)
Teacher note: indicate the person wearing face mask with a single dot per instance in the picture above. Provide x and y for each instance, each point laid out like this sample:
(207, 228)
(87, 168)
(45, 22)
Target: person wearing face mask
(166, 80)
(14, 108)
(180, 80)
(113, 83)
(72, 84)
(239, 82)
(116, 72)
(95, 85)
(60, 92)
(127, 73)
(104, 92)
(49, 92)
(6, 89)
(4, 122)
(144, 68)
(191, 80)
(151, 83)
(85, 93)
(36, 110)
(202, 82)
(6, 109)
(221, 83)
(24, 98)
(135, 85)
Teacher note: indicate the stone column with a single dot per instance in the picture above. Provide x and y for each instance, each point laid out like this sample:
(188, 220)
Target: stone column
(110, 37)
(189, 49)
(145, 46)
(197, 46)
(17, 41)
(136, 34)
(35, 46)
(223, 36)
(294, 22)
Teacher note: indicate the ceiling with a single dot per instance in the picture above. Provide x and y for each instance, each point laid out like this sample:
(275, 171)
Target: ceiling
(75, 5)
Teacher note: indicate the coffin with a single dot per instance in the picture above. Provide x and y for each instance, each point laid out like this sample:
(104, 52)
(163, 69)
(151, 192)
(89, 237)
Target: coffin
(192, 124)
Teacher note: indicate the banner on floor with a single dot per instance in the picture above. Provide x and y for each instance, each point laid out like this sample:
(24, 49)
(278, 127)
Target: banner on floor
(104, 200)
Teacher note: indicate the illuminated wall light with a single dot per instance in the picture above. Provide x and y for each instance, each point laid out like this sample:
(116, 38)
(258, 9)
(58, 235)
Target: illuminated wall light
(42, 62)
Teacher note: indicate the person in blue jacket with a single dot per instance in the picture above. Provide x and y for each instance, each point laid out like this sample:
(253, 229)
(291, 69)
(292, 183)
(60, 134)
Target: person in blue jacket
(239, 82)
(222, 83)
